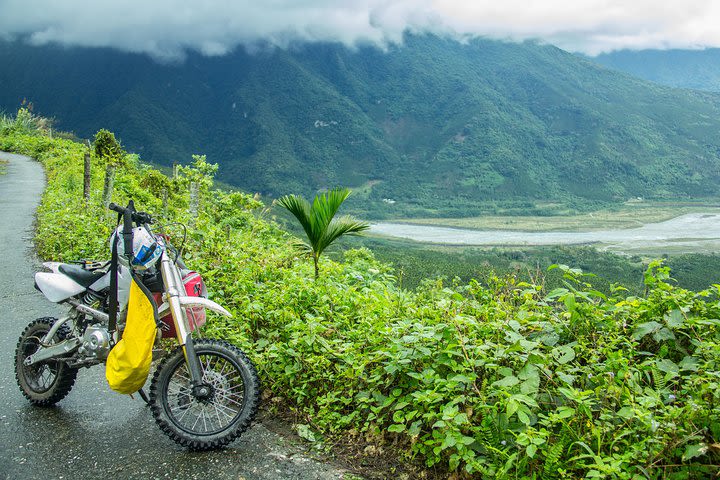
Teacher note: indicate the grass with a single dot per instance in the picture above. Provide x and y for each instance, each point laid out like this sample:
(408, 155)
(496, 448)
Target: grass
(628, 215)
(3, 166)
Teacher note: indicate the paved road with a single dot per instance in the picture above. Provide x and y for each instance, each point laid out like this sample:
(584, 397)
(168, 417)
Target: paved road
(94, 432)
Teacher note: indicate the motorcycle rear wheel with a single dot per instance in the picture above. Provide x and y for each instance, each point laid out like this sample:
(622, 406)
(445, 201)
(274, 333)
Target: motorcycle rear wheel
(211, 422)
(49, 382)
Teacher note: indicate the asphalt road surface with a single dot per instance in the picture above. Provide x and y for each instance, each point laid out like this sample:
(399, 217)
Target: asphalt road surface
(94, 432)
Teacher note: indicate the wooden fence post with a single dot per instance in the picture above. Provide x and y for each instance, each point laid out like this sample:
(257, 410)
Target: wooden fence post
(109, 181)
(86, 179)
(194, 202)
(164, 200)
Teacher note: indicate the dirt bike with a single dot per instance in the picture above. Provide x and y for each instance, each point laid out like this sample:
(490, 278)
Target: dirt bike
(203, 395)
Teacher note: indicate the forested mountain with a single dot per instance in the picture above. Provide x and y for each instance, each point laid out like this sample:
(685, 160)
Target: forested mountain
(430, 127)
(698, 69)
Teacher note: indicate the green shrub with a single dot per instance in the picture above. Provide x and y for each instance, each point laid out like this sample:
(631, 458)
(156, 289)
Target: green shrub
(25, 122)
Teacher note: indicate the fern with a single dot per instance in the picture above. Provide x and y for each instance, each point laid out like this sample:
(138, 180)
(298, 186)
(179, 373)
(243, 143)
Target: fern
(552, 458)
(490, 438)
(660, 380)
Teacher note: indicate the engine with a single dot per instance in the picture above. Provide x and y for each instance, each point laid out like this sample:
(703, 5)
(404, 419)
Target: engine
(95, 343)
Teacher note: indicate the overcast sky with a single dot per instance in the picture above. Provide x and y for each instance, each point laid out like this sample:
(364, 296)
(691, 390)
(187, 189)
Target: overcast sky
(166, 28)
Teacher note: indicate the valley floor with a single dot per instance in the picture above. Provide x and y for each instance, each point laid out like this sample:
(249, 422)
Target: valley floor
(628, 215)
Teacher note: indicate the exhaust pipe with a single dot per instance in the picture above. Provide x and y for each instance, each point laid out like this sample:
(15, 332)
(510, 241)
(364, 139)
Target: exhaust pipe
(82, 308)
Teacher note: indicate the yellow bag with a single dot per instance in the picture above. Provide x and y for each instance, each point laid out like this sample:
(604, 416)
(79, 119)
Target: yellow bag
(128, 363)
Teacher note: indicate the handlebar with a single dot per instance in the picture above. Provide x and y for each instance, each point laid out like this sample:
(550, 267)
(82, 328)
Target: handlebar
(139, 218)
(129, 215)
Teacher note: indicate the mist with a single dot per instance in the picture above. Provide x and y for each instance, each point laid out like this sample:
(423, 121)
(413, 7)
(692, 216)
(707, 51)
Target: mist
(166, 29)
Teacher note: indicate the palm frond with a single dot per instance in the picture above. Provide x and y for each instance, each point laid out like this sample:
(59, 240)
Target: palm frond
(301, 210)
(302, 247)
(345, 225)
(318, 220)
(326, 205)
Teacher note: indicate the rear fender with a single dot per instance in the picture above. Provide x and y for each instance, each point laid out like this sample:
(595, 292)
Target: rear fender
(56, 286)
(53, 266)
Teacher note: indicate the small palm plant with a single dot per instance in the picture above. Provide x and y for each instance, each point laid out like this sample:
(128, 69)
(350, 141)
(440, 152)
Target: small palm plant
(319, 223)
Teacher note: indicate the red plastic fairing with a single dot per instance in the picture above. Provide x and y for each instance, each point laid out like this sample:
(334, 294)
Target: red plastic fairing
(194, 287)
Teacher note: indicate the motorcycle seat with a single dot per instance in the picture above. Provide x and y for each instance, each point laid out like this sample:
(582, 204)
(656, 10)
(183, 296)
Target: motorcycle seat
(80, 275)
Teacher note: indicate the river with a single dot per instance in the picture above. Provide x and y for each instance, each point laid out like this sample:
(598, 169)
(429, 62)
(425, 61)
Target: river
(694, 232)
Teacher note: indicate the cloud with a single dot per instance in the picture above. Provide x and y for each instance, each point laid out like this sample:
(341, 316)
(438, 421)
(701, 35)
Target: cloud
(165, 29)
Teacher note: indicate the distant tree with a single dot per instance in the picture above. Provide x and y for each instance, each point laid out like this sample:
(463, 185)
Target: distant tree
(108, 149)
(319, 223)
(106, 146)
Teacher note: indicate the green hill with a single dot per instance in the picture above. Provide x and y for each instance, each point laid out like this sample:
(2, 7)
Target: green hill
(434, 127)
(698, 69)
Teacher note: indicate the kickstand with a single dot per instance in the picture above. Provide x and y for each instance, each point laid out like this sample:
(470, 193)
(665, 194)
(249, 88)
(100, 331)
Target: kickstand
(144, 396)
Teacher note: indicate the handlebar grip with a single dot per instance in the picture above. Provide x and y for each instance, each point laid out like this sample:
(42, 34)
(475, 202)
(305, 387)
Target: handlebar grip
(116, 208)
(142, 217)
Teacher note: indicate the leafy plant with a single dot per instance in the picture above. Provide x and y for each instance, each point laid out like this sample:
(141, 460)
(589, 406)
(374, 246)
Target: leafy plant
(107, 147)
(25, 122)
(319, 222)
(109, 151)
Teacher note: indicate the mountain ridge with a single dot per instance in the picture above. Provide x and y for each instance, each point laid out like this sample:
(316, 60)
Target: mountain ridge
(433, 127)
(694, 69)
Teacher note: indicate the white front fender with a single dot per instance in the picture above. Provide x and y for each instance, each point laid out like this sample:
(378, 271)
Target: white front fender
(194, 302)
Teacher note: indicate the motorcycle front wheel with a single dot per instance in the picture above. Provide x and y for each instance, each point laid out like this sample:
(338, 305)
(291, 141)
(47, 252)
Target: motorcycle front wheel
(214, 420)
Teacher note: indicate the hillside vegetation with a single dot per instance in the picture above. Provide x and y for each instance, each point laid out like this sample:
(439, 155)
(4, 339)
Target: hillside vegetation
(430, 128)
(500, 379)
(415, 263)
(698, 69)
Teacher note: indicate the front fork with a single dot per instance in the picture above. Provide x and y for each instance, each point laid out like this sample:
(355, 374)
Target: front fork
(174, 289)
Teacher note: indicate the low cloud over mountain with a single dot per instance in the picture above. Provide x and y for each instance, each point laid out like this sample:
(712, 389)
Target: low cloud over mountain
(165, 29)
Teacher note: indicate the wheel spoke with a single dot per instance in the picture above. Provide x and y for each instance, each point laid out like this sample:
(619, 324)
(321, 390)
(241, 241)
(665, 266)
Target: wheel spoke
(217, 413)
(207, 366)
(240, 386)
(227, 398)
(183, 377)
(197, 419)
(222, 372)
(225, 407)
(185, 412)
